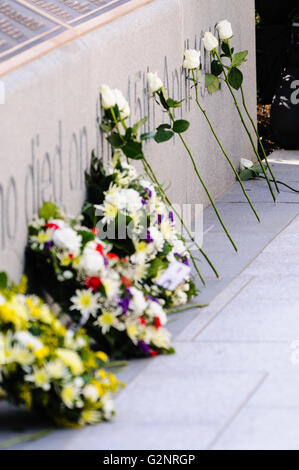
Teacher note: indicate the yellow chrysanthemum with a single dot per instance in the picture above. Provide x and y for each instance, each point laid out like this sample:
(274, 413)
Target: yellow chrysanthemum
(71, 359)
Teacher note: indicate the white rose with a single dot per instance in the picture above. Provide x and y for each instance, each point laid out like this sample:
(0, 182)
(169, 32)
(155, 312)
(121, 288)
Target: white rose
(245, 163)
(210, 42)
(224, 29)
(108, 97)
(192, 60)
(122, 104)
(90, 392)
(67, 239)
(92, 262)
(154, 82)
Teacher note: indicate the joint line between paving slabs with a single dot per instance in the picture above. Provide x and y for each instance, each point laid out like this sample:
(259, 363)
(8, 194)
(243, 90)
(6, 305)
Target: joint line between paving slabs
(222, 308)
(237, 412)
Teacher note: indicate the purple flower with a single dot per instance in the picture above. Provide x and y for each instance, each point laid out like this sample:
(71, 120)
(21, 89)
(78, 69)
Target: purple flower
(124, 304)
(187, 262)
(149, 239)
(106, 262)
(150, 193)
(159, 219)
(153, 299)
(171, 216)
(178, 255)
(144, 203)
(144, 347)
(49, 245)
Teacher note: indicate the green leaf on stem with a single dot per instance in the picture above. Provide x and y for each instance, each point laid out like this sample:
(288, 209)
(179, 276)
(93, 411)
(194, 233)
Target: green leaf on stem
(133, 149)
(3, 280)
(180, 126)
(148, 135)
(211, 83)
(163, 135)
(106, 127)
(226, 50)
(138, 124)
(115, 140)
(235, 78)
(250, 173)
(173, 103)
(239, 58)
(163, 126)
(216, 68)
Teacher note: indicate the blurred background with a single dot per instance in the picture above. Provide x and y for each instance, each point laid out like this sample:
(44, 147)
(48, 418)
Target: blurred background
(277, 41)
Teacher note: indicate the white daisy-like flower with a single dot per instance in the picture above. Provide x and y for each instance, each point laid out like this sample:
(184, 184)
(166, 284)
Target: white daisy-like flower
(40, 378)
(26, 339)
(85, 302)
(107, 320)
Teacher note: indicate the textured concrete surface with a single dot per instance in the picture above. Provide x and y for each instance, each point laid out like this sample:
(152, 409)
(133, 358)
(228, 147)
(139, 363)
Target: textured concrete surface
(231, 383)
(49, 123)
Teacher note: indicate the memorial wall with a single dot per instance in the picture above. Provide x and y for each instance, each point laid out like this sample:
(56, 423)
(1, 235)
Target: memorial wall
(55, 54)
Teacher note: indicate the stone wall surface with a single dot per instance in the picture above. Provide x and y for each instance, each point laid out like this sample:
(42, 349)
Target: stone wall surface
(49, 122)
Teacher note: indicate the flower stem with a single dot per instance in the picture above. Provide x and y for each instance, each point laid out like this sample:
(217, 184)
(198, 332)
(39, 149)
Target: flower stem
(152, 176)
(221, 146)
(245, 126)
(204, 185)
(116, 123)
(26, 438)
(259, 139)
(155, 180)
(187, 307)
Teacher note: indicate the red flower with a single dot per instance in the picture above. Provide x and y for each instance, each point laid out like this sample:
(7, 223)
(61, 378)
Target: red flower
(71, 256)
(113, 256)
(126, 282)
(95, 230)
(99, 248)
(51, 225)
(158, 323)
(153, 353)
(125, 260)
(142, 321)
(93, 283)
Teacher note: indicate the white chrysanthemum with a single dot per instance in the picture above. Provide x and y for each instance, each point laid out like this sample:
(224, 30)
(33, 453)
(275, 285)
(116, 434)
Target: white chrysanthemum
(26, 339)
(107, 320)
(56, 370)
(155, 310)
(92, 262)
(158, 238)
(133, 201)
(111, 286)
(161, 338)
(90, 392)
(85, 302)
(67, 239)
(40, 378)
(138, 302)
(108, 405)
(2, 300)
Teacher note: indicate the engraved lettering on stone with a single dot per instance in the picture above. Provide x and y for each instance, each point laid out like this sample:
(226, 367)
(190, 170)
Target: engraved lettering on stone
(27, 21)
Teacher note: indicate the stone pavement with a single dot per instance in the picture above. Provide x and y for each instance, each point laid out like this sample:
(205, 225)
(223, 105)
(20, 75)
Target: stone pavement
(231, 384)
